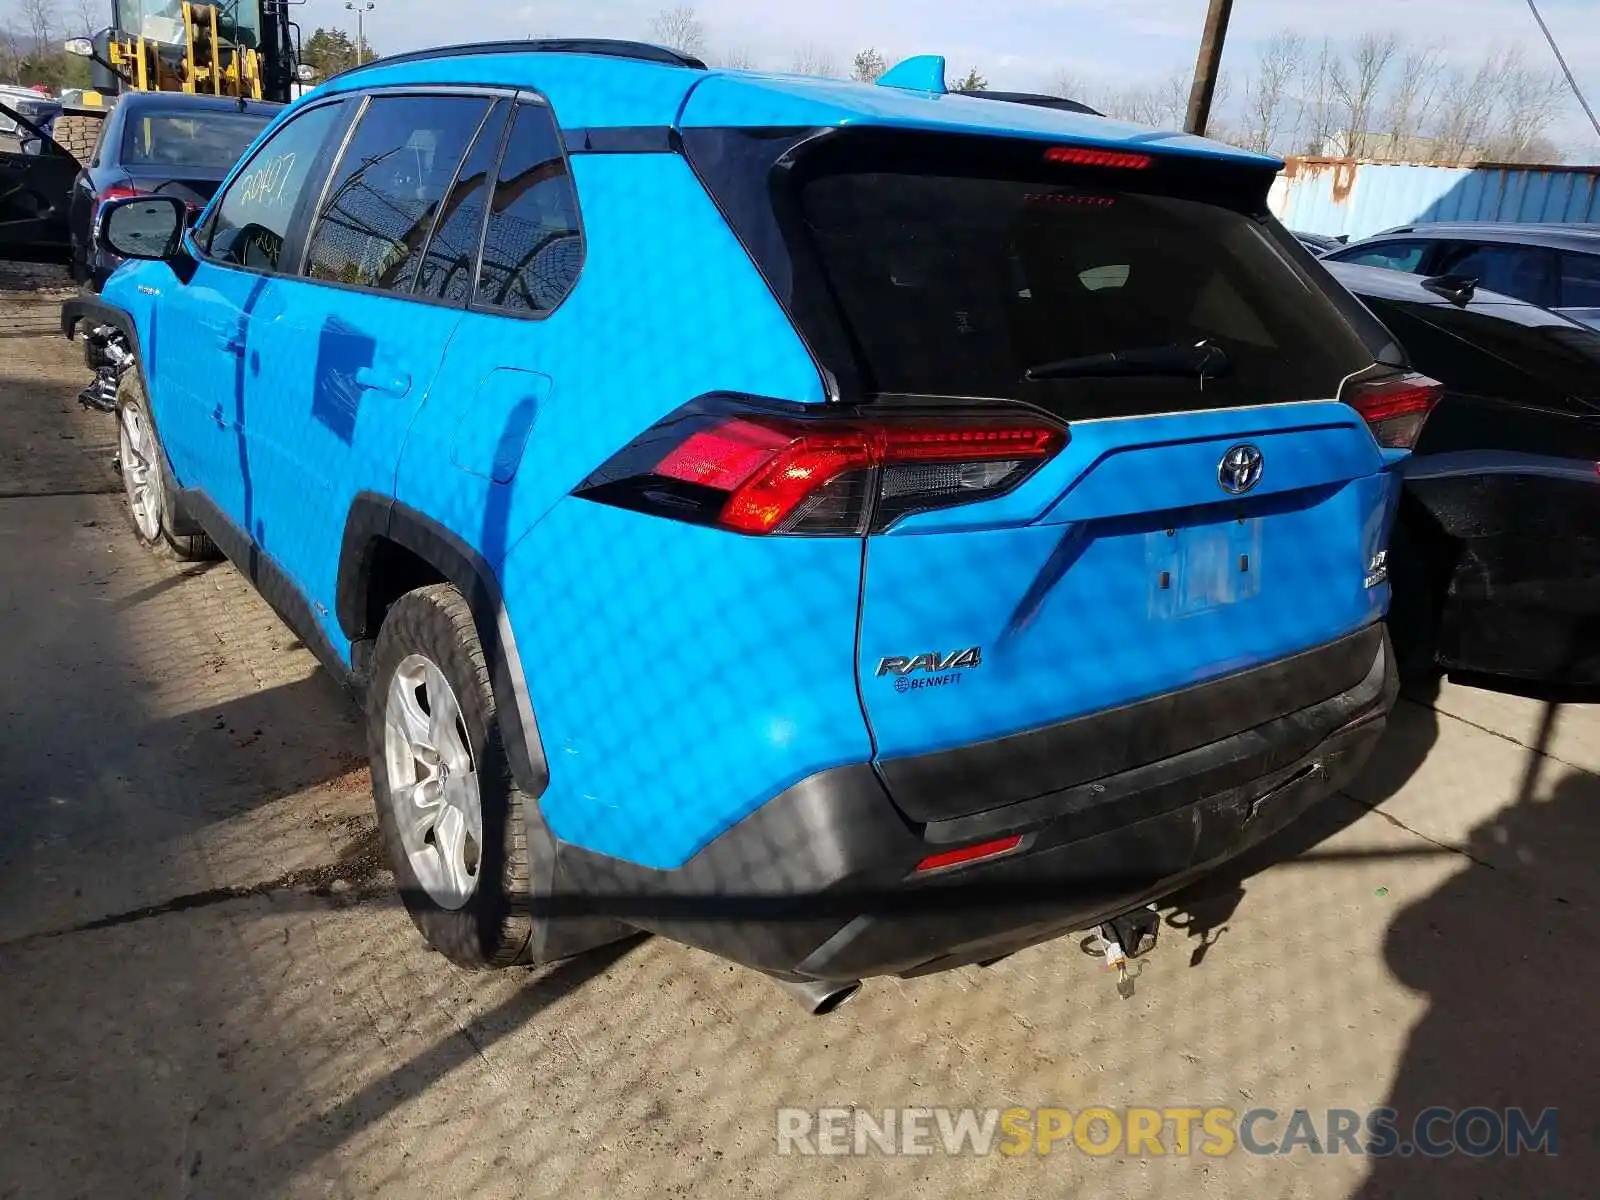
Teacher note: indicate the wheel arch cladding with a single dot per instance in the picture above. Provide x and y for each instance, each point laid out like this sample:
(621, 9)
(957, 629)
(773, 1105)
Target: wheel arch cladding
(375, 522)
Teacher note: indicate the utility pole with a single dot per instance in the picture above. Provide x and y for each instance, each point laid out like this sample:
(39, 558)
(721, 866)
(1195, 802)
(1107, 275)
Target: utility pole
(1572, 81)
(1207, 67)
(361, 8)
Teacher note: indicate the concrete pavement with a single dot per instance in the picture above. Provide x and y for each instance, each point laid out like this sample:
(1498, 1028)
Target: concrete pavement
(207, 988)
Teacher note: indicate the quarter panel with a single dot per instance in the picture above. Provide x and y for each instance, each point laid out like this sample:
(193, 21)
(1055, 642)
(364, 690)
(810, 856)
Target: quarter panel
(681, 676)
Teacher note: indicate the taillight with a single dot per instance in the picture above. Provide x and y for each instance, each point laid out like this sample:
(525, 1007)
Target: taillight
(120, 191)
(757, 472)
(1396, 409)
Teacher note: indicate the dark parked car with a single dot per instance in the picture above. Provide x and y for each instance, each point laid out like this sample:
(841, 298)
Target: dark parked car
(1495, 560)
(158, 143)
(1553, 266)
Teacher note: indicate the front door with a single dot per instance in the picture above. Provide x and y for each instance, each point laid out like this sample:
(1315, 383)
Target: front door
(203, 349)
(35, 193)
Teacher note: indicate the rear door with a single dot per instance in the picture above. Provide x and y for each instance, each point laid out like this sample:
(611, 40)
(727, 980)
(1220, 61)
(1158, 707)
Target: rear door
(1195, 522)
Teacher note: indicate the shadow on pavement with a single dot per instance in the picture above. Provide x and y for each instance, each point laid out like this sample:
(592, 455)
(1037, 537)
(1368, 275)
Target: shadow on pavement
(1511, 991)
(1202, 912)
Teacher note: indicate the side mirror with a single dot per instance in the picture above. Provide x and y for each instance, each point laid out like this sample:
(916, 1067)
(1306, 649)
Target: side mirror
(149, 228)
(82, 47)
(305, 73)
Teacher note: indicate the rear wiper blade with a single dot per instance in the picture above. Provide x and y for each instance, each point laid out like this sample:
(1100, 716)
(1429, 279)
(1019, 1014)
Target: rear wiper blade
(1204, 360)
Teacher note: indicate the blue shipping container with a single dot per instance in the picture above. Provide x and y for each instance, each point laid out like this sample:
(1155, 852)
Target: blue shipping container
(1340, 196)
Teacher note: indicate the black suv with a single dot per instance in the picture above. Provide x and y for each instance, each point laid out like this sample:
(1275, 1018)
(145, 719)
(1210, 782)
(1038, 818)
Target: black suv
(1495, 562)
(1553, 266)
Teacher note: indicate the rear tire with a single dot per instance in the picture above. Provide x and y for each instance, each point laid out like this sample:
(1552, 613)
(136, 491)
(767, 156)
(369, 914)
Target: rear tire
(142, 464)
(449, 810)
(78, 134)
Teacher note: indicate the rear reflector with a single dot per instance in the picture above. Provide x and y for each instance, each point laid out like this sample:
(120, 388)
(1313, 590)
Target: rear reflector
(1396, 409)
(954, 858)
(760, 473)
(1084, 156)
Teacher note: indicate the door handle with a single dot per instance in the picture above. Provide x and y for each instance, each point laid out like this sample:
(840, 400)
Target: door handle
(231, 340)
(376, 379)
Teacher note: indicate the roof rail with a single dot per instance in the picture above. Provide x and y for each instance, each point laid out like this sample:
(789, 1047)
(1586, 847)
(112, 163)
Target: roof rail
(638, 51)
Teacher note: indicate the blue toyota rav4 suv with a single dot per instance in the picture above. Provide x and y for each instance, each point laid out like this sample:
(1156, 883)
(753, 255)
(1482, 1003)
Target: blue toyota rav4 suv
(852, 529)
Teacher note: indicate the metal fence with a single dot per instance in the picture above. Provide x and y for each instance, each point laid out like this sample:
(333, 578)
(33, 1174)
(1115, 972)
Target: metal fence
(1336, 196)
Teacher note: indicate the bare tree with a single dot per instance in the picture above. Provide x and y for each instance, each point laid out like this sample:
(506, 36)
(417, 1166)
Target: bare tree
(812, 59)
(1071, 86)
(735, 58)
(1267, 96)
(1164, 104)
(1357, 83)
(1413, 98)
(11, 55)
(89, 17)
(868, 66)
(1466, 108)
(1318, 117)
(1527, 105)
(41, 18)
(679, 28)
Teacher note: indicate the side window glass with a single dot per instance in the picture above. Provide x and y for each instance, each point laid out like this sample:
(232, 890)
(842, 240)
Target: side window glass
(533, 247)
(1515, 271)
(450, 266)
(1396, 256)
(388, 187)
(1580, 281)
(251, 223)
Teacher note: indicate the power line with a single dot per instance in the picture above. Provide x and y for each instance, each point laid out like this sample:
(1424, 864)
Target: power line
(1565, 70)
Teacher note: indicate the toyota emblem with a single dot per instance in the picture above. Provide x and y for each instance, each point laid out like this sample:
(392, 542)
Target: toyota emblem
(1240, 470)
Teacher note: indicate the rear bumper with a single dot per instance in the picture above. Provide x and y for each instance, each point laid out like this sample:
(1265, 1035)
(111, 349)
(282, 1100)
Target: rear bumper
(822, 882)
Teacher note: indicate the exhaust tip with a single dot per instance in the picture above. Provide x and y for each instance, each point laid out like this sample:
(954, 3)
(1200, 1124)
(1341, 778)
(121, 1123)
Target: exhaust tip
(819, 997)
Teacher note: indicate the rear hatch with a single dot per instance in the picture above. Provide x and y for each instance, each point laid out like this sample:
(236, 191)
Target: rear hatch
(1208, 504)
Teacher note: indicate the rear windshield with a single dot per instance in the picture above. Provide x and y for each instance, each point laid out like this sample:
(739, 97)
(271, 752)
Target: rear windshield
(949, 281)
(210, 141)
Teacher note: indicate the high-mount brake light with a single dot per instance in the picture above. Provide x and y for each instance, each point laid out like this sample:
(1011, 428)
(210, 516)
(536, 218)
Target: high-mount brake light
(1396, 409)
(1087, 156)
(758, 473)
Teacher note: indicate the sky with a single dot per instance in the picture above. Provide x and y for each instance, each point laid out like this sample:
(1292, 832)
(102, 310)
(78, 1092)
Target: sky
(1019, 44)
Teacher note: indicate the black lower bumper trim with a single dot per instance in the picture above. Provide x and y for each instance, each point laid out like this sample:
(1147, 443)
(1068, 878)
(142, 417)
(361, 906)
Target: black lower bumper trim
(821, 882)
(993, 774)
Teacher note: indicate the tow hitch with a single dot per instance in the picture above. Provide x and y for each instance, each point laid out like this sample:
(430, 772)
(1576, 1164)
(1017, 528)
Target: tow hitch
(105, 351)
(1130, 935)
